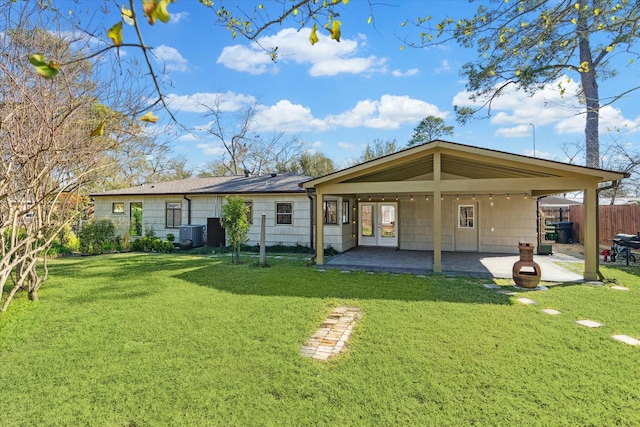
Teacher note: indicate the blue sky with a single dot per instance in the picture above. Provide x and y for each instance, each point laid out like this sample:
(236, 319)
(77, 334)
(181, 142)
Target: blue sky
(338, 97)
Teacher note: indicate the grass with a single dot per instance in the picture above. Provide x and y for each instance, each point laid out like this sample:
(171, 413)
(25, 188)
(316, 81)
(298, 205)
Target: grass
(147, 339)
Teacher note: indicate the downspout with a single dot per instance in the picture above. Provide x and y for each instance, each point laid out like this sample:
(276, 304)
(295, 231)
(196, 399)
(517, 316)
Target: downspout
(598, 190)
(311, 199)
(188, 209)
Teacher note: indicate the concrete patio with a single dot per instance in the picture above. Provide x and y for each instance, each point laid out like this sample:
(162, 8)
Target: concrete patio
(453, 263)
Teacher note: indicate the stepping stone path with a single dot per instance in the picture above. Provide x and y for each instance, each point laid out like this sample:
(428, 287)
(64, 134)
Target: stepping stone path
(589, 323)
(626, 339)
(620, 288)
(332, 335)
(551, 311)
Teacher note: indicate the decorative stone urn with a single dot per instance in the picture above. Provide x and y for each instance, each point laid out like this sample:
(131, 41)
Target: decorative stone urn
(526, 273)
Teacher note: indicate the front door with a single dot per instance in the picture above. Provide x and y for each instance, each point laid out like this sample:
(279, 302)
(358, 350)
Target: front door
(378, 225)
(466, 228)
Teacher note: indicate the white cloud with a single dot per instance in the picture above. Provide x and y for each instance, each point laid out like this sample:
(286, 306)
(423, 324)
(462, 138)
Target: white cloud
(444, 67)
(178, 16)
(213, 149)
(188, 137)
(547, 106)
(287, 116)
(390, 112)
(325, 58)
(346, 146)
(408, 73)
(519, 131)
(170, 58)
(197, 102)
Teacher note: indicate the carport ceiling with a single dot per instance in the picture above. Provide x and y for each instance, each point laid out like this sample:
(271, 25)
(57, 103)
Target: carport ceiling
(450, 165)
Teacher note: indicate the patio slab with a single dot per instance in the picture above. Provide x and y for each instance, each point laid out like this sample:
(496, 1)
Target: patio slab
(455, 263)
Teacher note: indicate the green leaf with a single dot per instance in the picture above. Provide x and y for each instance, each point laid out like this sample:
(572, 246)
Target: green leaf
(313, 37)
(335, 30)
(115, 34)
(127, 15)
(149, 118)
(46, 70)
(99, 131)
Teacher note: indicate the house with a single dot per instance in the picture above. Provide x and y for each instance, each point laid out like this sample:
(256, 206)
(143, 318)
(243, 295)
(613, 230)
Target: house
(443, 196)
(439, 196)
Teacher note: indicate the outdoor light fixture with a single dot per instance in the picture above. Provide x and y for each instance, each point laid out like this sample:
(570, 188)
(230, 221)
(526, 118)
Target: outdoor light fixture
(490, 196)
(369, 198)
(383, 198)
(396, 198)
(508, 196)
(426, 197)
(358, 198)
(457, 197)
(474, 197)
(412, 197)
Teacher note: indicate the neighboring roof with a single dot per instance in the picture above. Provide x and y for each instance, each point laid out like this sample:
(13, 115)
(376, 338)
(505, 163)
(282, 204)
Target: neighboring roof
(458, 160)
(558, 201)
(253, 184)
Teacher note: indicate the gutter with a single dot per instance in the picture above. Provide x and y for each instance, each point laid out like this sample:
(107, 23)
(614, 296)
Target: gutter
(311, 211)
(188, 208)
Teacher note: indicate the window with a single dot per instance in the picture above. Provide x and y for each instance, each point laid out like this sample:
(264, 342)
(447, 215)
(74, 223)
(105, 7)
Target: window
(135, 209)
(367, 221)
(117, 207)
(345, 212)
(249, 206)
(330, 210)
(284, 213)
(174, 214)
(465, 217)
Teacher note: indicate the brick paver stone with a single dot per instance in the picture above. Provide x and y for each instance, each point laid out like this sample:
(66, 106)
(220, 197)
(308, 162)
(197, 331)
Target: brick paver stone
(526, 301)
(332, 335)
(551, 311)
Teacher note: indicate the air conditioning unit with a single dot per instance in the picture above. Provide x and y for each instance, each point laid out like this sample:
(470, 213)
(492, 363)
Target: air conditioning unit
(195, 233)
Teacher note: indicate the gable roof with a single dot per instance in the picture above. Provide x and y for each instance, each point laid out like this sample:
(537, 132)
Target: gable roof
(458, 161)
(254, 184)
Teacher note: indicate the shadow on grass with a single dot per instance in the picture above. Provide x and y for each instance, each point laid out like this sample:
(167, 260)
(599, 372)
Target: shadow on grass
(135, 275)
(307, 282)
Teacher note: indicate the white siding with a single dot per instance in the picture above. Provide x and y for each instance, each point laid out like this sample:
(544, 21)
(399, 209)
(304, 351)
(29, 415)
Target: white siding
(203, 207)
(501, 226)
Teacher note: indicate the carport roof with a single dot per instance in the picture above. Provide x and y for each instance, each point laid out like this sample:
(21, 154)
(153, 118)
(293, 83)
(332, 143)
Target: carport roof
(458, 161)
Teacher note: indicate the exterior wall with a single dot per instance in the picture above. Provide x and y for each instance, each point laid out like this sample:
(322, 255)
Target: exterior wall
(203, 207)
(506, 223)
(341, 236)
(501, 223)
(153, 213)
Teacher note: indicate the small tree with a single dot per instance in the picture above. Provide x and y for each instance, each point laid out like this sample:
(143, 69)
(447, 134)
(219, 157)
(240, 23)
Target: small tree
(234, 221)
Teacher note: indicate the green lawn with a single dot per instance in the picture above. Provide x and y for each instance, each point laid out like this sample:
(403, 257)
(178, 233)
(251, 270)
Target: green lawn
(158, 340)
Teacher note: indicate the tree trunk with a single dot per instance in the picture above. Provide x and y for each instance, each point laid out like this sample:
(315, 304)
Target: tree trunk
(591, 95)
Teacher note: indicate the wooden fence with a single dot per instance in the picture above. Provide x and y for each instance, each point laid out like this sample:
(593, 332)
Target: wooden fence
(616, 219)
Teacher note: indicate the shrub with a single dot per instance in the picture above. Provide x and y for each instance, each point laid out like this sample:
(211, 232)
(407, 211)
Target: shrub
(97, 236)
(171, 237)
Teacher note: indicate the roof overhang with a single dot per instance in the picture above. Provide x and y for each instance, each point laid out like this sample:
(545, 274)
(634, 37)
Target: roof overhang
(458, 168)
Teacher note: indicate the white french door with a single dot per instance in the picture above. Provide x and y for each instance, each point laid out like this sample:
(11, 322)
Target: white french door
(378, 224)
